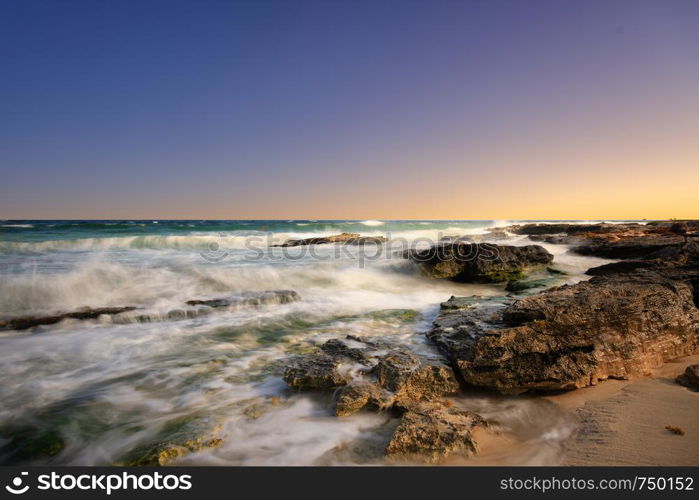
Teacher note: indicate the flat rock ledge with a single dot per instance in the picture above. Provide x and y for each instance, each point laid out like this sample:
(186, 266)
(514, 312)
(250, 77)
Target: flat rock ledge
(478, 262)
(199, 307)
(572, 336)
(615, 241)
(344, 238)
(365, 373)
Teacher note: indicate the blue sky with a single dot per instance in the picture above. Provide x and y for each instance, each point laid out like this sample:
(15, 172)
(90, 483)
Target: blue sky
(362, 109)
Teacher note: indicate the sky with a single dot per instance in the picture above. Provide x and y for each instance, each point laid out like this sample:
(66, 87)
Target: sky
(349, 109)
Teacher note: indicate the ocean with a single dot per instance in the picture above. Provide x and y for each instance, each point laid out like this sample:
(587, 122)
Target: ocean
(206, 387)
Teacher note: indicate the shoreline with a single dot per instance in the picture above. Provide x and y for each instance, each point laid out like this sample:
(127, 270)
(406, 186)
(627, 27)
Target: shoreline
(622, 422)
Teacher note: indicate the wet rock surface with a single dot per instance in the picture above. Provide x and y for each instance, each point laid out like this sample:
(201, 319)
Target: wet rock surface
(478, 262)
(27, 322)
(370, 374)
(614, 241)
(430, 431)
(609, 327)
(345, 238)
(250, 299)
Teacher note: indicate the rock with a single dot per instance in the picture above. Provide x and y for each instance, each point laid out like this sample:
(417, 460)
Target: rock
(345, 238)
(431, 430)
(479, 262)
(26, 322)
(373, 375)
(250, 299)
(391, 378)
(317, 372)
(609, 327)
(355, 396)
(179, 437)
(690, 377)
(624, 266)
(524, 285)
(548, 229)
(614, 241)
(639, 247)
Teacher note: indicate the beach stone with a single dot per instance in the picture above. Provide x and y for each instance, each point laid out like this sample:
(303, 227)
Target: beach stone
(690, 377)
(430, 431)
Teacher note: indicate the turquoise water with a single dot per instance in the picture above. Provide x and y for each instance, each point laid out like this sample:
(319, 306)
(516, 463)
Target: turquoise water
(208, 387)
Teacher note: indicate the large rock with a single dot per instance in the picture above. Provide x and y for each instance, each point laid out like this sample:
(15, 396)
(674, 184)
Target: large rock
(609, 327)
(430, 431)
(479, 262)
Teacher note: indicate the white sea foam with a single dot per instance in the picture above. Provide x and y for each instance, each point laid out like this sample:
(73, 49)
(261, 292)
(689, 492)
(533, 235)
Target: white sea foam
(140, 377)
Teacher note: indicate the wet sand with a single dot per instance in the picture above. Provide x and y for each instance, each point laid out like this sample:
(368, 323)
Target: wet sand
(623, 422)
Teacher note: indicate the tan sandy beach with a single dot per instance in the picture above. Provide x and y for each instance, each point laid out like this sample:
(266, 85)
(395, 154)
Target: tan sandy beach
(623, 422)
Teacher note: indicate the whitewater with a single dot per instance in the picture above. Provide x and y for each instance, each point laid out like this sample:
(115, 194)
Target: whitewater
(112, 389)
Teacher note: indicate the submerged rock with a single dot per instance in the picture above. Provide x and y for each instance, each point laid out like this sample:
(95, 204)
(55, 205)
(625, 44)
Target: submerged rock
(430, 431)
(690, 377)
(26, 322)
(345, 238)
(178, 438)
(572, 336)
(524, 285)
(479, 262)
(250, 299)
(26, 443)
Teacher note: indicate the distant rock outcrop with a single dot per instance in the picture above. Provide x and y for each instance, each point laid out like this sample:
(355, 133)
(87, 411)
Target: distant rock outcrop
(345, 238)
(614, 241)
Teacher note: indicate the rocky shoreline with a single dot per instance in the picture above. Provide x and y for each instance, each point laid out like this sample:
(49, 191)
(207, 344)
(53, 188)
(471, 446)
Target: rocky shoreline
(630, 318)
(541, 334)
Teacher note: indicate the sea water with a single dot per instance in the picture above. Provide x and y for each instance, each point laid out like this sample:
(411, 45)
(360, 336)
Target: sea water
(208, 387)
